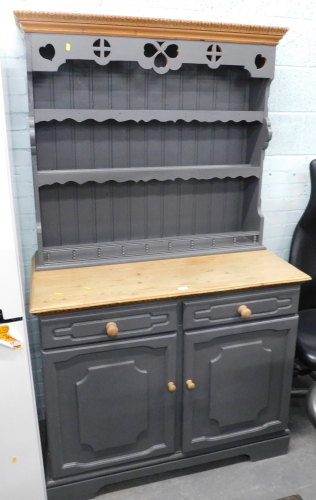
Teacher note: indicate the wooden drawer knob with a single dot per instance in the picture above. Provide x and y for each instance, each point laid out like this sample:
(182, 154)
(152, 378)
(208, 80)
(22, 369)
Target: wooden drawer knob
(171, 386)
(244, 311)
(111, 329)
(190, 384)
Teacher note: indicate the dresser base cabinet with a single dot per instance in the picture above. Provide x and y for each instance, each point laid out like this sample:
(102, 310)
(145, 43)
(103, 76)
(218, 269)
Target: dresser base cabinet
(91, 485)
(149, 400)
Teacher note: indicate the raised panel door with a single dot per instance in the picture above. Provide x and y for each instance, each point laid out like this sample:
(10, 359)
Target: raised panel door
(109, 403)
(242, 380)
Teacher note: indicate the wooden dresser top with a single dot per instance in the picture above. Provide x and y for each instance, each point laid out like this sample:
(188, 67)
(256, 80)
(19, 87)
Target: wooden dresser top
(89, 287)
(96, 24)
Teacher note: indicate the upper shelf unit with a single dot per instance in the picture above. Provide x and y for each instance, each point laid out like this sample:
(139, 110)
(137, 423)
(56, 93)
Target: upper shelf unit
(148, 136)
(190, 122)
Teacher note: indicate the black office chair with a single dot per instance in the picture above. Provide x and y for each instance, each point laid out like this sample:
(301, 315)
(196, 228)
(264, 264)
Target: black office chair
(303, 256)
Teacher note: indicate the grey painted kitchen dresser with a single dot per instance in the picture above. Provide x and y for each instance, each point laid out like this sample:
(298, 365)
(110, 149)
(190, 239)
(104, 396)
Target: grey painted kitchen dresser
(148, 139)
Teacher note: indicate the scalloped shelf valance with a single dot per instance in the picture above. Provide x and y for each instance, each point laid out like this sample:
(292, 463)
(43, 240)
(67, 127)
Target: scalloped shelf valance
(122, 115)
(146, 174)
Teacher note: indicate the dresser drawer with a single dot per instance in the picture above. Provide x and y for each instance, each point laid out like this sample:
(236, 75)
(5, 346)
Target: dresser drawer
(220, 309)
(61, 330)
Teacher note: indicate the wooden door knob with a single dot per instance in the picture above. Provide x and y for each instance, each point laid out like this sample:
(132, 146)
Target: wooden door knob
(111, 329)
(190, 384)
(244, 311)
(171, 386)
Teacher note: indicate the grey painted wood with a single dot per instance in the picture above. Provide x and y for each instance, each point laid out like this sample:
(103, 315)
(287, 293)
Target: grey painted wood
(108, 401)
(258, 141)
(131, 418)
(242, 377)
(127, 85)
(69, 145)
(107, 112)
(70, 217)
(136, 49)
(220, 309)
(251, 215)
(251, 391)
(39, 235)
(142, 174)
(89, 487)
(147, 52)
(137, 160)
(121, 115)
(118, 421)
(86, 327)
(138, 250)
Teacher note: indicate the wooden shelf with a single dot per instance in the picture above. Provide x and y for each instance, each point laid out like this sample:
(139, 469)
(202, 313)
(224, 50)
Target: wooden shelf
(50, 177)
(122, 115)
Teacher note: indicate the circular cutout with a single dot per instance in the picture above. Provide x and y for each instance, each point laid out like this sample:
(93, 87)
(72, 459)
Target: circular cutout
(214, 53)
(101, 45)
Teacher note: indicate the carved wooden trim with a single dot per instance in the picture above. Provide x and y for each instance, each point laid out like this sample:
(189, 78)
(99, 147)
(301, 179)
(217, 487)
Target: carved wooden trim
(93, 24)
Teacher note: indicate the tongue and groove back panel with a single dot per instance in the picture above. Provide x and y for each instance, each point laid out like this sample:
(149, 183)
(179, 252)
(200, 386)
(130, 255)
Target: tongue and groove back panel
(92, 145)
(126, 85)
(146, 148)
(92, 212)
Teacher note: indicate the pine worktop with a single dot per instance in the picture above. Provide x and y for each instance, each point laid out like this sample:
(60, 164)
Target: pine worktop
(61, 290)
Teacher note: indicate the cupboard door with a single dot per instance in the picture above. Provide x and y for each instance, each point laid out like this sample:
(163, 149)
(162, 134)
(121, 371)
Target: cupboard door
(109, 403)
(241, 381)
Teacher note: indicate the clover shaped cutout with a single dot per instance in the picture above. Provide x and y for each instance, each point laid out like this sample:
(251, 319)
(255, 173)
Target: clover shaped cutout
(160, 53)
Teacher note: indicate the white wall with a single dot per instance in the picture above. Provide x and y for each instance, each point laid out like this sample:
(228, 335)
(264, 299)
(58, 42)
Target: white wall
(292, 106)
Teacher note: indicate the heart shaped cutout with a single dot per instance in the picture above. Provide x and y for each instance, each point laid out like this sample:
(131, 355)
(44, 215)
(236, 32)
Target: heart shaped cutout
(47, 52)
(149, 50)
(160, 60)
(172, 51)
(260, 61)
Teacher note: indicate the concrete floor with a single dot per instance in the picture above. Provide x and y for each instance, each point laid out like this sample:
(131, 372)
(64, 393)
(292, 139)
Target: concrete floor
(272, 479)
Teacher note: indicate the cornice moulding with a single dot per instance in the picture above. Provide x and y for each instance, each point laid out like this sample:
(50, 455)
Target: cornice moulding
(143, 27)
